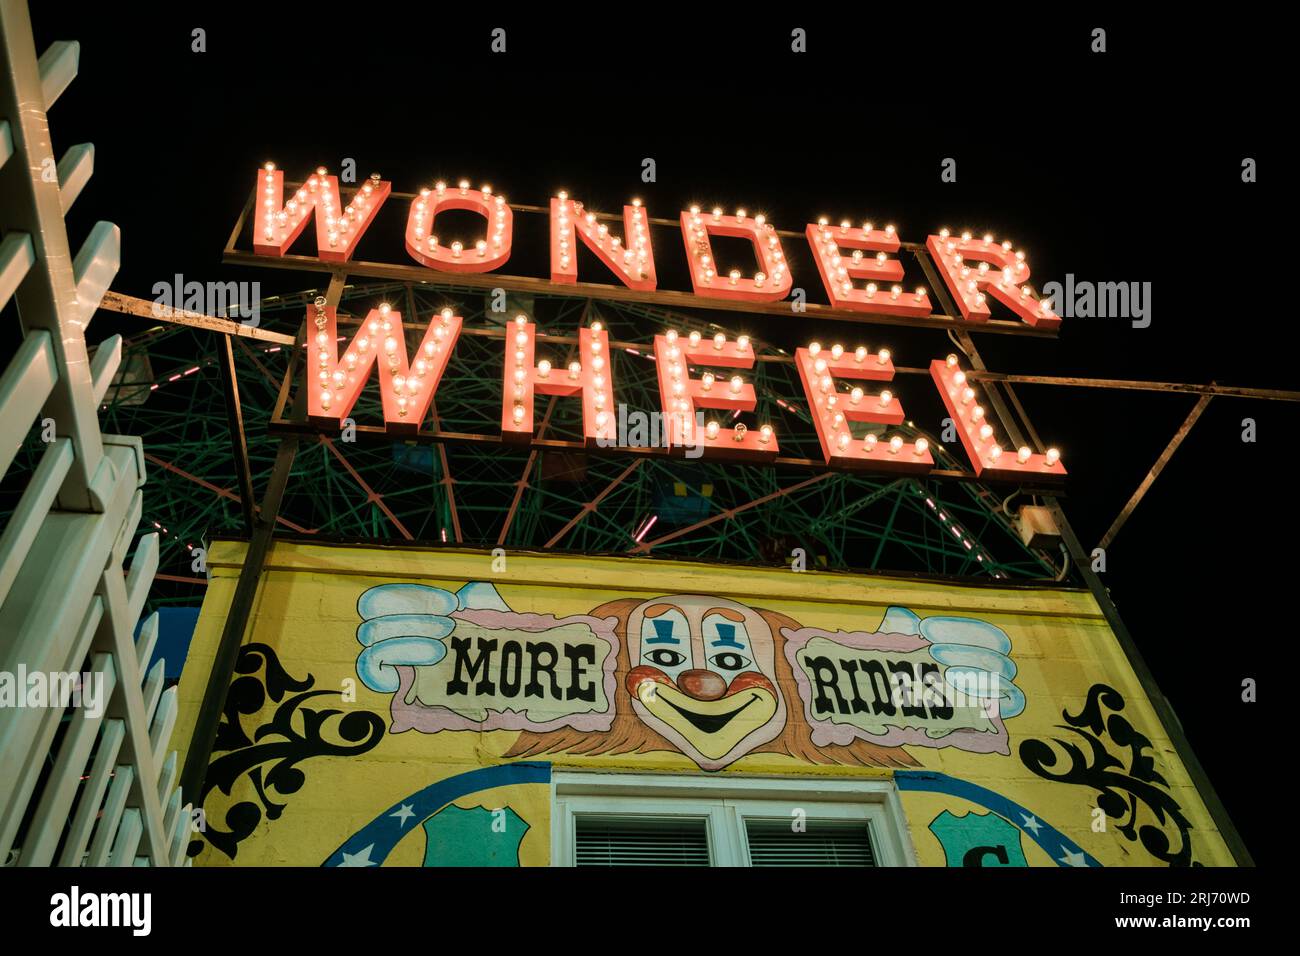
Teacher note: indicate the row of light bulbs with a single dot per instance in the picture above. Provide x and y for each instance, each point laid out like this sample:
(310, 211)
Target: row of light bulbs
(407, 387)
(300, 206)
(521, 374)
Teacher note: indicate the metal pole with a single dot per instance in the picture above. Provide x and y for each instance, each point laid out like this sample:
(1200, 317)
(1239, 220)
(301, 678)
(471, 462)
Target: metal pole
(238, 444)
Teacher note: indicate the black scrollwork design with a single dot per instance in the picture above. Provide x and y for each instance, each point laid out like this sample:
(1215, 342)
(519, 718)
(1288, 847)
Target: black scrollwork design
(1120, 790)
(277, 742)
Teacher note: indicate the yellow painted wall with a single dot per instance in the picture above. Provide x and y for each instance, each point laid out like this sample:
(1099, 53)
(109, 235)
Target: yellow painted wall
(315, 774)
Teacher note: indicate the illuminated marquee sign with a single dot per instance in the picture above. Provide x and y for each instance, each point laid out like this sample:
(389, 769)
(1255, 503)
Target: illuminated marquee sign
(856, 267)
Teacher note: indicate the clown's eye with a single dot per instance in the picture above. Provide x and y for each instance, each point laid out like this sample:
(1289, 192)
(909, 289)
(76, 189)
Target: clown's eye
(729, 661)
(665, 658)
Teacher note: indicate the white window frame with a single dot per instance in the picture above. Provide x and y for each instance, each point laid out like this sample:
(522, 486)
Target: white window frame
(725, 802)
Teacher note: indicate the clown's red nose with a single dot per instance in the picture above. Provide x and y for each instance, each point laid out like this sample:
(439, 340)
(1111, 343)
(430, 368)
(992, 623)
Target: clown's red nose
(702, 685)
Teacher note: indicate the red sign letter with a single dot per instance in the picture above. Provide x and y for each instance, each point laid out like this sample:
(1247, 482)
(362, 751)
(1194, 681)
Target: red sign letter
(276, 224)
(986, 455)
(832, 410)
(633, 262)
(407, 391)
(1000, 272)
(838, 272)
(770, 284)
(679, 394)
(485, 254)
(590, 376)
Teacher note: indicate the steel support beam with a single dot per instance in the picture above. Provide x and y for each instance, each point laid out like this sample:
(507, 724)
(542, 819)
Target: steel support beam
(238, 442)
(1154, 473)
(143, 308)
(232, 633)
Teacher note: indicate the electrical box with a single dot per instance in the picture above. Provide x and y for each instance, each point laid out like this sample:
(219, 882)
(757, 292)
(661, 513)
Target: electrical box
(1038, 528)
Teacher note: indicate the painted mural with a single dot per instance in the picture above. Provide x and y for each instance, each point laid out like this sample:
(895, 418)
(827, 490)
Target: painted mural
(408, 708)
(696, 673)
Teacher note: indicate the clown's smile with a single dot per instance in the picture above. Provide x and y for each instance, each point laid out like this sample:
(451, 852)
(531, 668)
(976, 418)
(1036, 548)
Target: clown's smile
(711, 723)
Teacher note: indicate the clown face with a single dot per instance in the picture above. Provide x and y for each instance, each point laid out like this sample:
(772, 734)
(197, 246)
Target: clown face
(703, 676)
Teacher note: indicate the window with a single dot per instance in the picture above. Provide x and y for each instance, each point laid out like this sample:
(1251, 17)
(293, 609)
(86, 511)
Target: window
(617, 819)
(602, 840)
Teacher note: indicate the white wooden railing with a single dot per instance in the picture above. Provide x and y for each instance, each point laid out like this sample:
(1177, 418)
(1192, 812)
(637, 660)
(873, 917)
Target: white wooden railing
(76, 786)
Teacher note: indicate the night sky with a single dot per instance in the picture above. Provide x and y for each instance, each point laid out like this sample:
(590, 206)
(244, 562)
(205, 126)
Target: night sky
(1123, 166)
